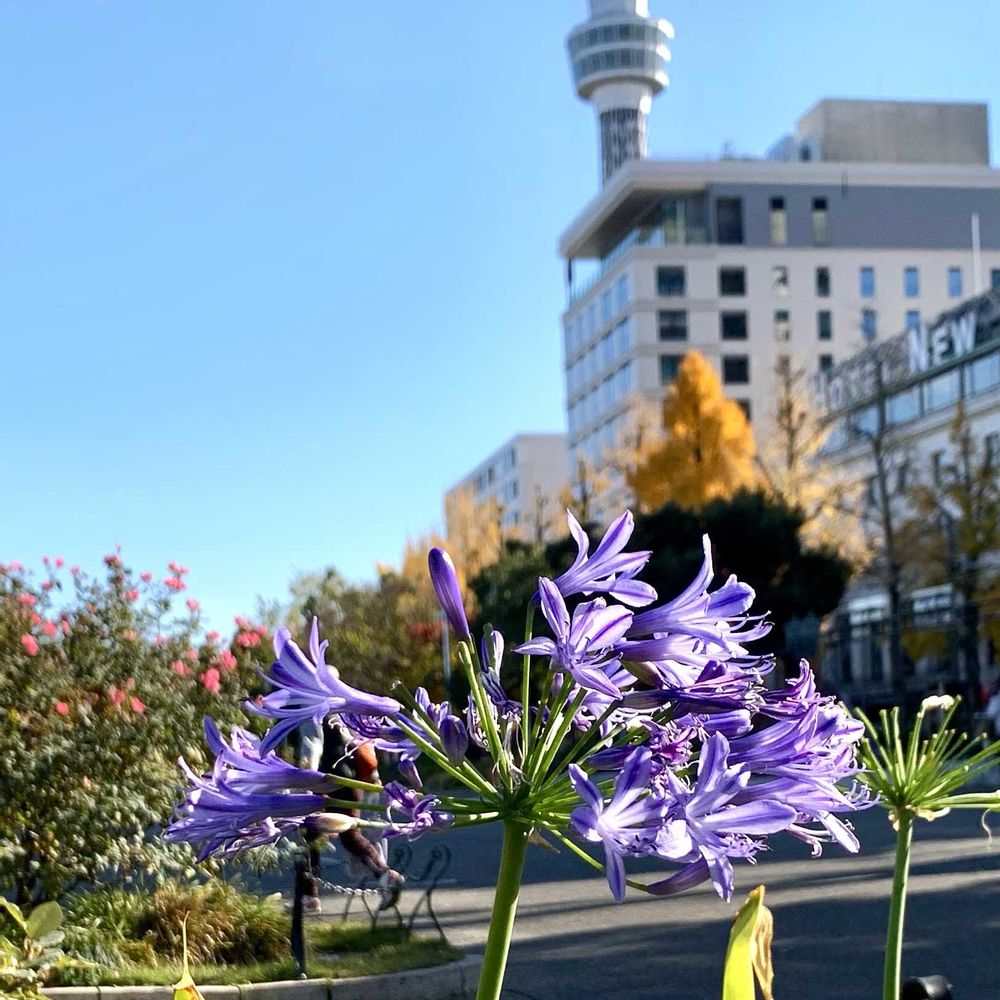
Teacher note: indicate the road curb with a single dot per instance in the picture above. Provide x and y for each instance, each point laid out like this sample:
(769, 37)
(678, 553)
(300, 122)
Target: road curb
(439, 982)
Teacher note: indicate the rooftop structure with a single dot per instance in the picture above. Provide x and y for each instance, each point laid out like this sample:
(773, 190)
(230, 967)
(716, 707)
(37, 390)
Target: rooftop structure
(618, 59)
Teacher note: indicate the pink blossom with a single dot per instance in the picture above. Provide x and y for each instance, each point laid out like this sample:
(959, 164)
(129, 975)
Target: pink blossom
(113, 560)
(75, 570)
(177, 569)
(49, 628)
(192, 603)
(146, 577)
(191, 654)
(132, 594)
(226, 660)
(175, 583)
(28, 600)
(46, 560)
(162, 640)
(248, 639)
(62, 708)
(130, 634)
(30, 644)
(47, 585)
(210, 680)
(129, 683)
(36, 618)
(60, 562)
(137, 706)
(179, 667)
(115, 695)
(212, 636)
(65, 626)
(15, 567)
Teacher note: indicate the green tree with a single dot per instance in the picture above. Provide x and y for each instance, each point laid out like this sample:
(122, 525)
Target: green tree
(377, 633)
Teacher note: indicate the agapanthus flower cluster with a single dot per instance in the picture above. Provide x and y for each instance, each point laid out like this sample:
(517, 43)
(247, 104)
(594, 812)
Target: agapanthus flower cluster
(622, 728)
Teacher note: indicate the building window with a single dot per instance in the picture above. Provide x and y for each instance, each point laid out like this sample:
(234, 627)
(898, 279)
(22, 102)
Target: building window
(779, 222)
(744, 405)
(606, 307)
(955, 282)
(673, 324)
(820, 222)
(867, 279)
(782, 325)
(607, 349)
(670, 281)
(623, 337)
(779, 279)
(735, 369)
(822, 282)
(825, 363)
(733, 325)
(669, 364)
(729, 220)
(911, 282)
(912, 319)
(991, 447)
(995, 279)
(824, 324)
(869, 325)
(937, 467)
(621, 292)
(591, 319)
(732, 281)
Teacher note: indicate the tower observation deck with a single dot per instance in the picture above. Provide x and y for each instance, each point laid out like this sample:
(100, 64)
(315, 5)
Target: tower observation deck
(618, 59)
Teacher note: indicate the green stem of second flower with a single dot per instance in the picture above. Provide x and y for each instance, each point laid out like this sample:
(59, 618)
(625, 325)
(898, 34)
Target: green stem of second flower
(897, 908)
(515, 842)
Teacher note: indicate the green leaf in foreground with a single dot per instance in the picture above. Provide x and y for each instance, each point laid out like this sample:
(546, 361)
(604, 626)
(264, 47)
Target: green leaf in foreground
(749, 951)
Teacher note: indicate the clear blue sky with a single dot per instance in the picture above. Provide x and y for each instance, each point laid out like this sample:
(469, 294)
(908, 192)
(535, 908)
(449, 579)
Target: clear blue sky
(274, 275)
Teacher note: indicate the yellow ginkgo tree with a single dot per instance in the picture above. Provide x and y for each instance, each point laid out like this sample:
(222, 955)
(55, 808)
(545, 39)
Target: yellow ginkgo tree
(707, 449)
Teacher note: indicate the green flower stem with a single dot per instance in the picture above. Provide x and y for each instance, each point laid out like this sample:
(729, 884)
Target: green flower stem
(531, 728)
(532, 764)
(364, 786)
(555, 738)
(467, 775)
(897, 908)
(486, 720)
(515, 841)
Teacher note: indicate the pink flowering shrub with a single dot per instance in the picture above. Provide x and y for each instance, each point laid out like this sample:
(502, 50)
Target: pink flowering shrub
(103, 684)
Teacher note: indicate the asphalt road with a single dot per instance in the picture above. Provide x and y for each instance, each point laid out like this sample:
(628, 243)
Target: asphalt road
(573, 941)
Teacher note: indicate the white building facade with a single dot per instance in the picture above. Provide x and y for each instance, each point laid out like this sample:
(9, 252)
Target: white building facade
(802, 259)
(899, 399)
(524, 478)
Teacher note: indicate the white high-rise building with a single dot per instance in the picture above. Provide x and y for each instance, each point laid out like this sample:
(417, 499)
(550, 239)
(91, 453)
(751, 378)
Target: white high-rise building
(524, 478)
(873, 217)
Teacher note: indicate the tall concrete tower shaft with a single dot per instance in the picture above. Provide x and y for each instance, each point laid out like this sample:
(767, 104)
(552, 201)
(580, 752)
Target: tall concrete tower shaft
(619, 60)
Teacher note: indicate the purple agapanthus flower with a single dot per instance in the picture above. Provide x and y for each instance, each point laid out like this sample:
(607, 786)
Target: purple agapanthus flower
(444, 579)
(240, 764)
(491, 658)
(608, 569)
(710, 826)
(718, 619)
(308, 689)
(626, 825)
(411, 814)
(583, 644)
(225, 819)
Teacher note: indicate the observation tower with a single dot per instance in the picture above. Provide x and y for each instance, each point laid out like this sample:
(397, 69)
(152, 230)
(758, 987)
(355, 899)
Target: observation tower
(619, 61)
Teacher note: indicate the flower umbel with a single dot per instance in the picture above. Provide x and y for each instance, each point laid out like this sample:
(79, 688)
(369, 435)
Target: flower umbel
(652, 736)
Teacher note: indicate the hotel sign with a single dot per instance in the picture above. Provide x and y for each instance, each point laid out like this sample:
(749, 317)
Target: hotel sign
(918, 352)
